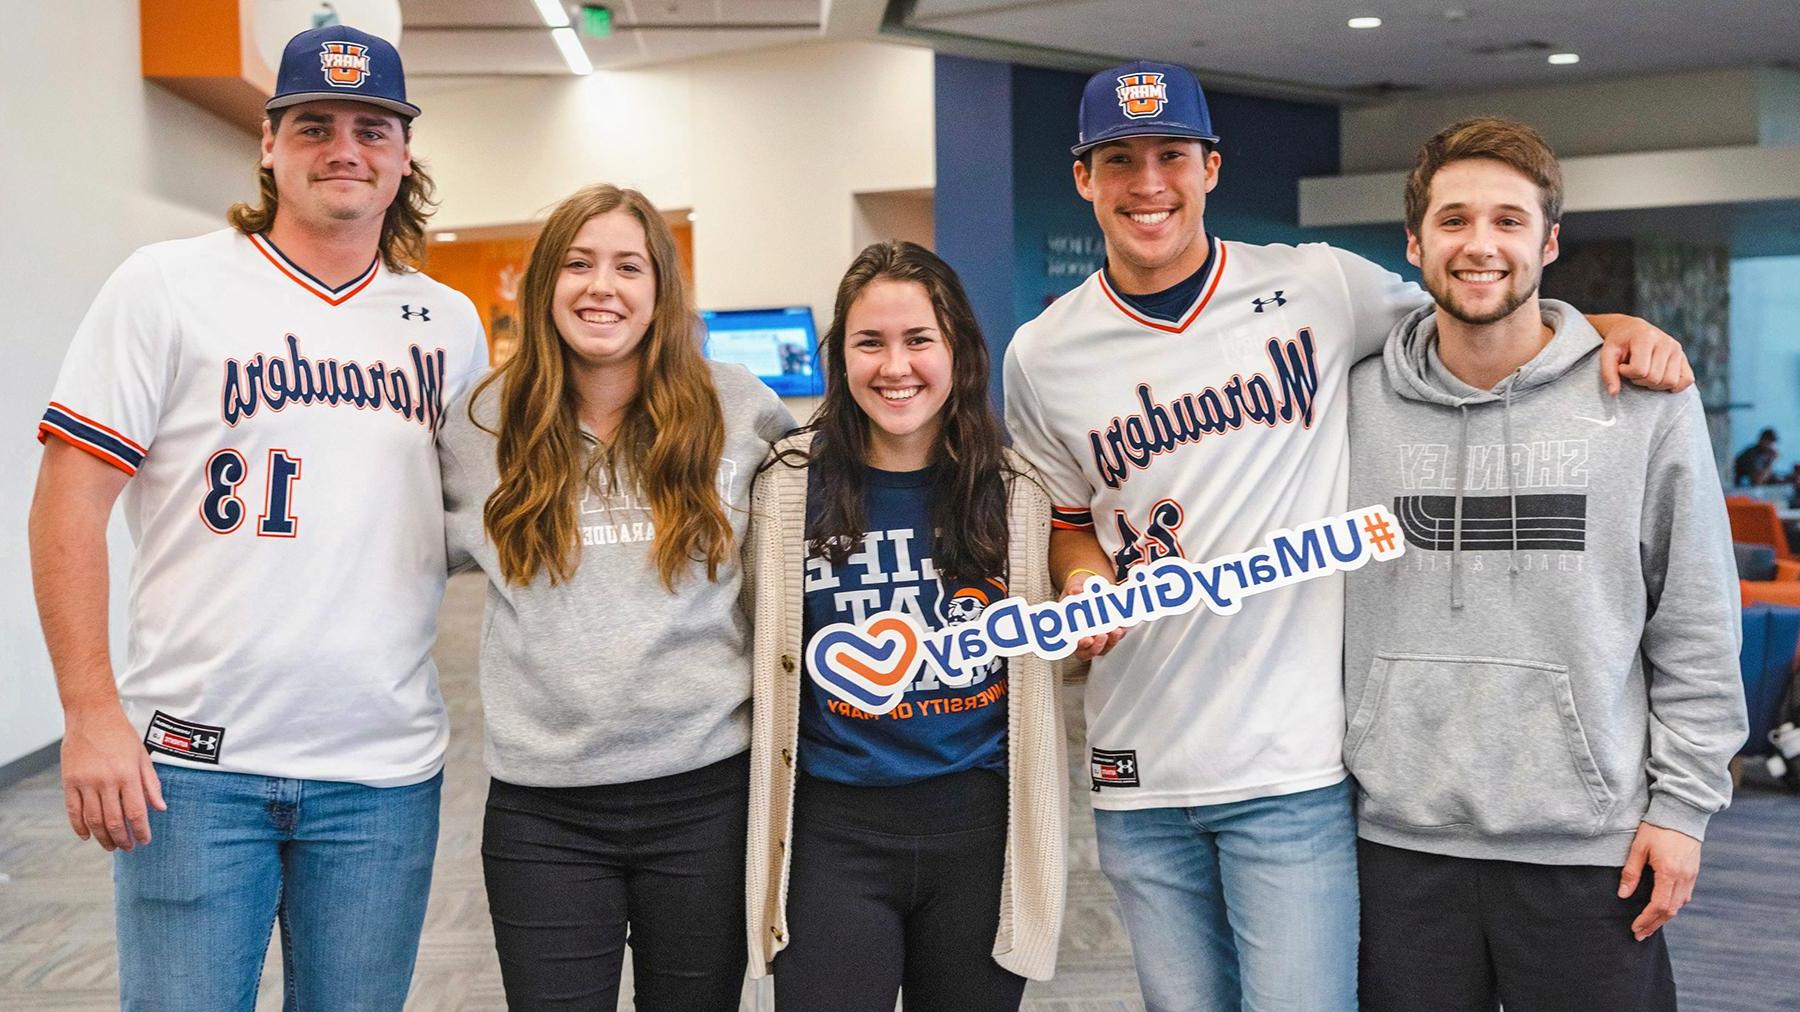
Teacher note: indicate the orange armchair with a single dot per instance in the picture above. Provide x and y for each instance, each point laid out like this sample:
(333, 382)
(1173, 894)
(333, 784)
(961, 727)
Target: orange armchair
(1783, 592)
(1755, 522)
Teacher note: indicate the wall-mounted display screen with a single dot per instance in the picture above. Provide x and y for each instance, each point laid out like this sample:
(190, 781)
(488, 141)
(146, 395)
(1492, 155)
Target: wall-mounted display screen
(780, 346)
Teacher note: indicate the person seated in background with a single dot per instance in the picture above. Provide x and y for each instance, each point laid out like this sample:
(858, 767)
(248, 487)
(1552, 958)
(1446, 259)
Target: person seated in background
(1544, 691)
(1756, 465)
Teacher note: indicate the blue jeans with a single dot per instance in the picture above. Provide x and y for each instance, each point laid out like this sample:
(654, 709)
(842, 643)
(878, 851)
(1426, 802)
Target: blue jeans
(343, 867)
(1248, 905)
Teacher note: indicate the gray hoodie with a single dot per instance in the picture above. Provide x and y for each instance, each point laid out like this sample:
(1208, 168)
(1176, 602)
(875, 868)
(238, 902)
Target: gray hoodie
(1554, 659)
(610, 677)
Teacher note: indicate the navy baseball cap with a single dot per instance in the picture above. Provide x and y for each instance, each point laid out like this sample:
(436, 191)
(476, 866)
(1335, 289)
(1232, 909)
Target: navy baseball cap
(1142, 99)
(339, 62)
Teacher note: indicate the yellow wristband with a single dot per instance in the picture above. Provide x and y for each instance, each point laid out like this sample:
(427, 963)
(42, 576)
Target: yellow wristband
(1091, 573)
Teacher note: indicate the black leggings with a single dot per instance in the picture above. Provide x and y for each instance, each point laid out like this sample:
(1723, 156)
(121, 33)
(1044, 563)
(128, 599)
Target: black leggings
(896, 889)
(572, 872)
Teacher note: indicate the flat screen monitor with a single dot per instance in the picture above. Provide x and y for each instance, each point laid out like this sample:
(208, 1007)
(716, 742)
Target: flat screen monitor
(779, 345)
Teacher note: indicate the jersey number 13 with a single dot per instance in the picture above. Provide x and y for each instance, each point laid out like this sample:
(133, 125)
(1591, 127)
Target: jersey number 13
(223, 511)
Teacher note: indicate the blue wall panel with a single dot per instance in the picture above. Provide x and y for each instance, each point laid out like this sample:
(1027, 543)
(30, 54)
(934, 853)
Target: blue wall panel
(1056, 239)
(973, 203)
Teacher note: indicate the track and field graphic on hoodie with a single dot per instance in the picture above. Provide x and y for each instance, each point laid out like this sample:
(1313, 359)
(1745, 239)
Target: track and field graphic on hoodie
(1555, 658)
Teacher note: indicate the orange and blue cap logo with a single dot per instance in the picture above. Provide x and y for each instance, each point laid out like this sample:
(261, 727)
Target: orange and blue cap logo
(1142, 95)
(346, 64)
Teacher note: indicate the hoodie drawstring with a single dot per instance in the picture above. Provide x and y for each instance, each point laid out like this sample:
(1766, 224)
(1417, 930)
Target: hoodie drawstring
(1512, 482)
(1462, 467)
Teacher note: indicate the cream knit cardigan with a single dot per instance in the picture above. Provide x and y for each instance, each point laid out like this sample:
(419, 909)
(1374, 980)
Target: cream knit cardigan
(1032, 885)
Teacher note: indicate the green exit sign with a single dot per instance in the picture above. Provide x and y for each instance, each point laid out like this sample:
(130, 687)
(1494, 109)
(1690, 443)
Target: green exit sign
(596, 21)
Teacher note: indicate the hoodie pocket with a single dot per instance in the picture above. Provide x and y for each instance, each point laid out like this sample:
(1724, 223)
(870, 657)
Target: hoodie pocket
(1483, 742)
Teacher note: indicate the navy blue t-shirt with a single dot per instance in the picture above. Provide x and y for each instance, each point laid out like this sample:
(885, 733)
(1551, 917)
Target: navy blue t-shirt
(1174, 300)
(935, 729)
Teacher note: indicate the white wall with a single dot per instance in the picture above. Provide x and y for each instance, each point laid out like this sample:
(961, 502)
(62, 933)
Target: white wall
(1633, 181)
(767, 148)
(1720, 108)
(907, 215)
(1765, 353)
(96, 163)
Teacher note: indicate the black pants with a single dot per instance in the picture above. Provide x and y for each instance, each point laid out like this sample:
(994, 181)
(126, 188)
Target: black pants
(1447, 934)
(572, 872)
(896, 889)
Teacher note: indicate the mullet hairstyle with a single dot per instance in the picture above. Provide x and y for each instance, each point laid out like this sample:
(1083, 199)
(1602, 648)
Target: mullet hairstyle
(1502, 140)
(967, 497)
(402, 244)
(668, 446)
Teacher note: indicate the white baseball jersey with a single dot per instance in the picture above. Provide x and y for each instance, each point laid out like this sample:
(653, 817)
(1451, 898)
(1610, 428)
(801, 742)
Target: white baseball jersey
(284, 502)
(1198, 438)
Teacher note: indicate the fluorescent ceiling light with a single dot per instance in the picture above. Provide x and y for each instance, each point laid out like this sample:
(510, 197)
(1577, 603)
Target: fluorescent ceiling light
(572, 53)
(445, 237)
(1364, 22)
(553, 14)
(1564, 59)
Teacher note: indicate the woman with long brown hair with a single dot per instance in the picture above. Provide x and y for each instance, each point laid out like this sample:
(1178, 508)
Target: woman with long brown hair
(920, 849)
(600, 479)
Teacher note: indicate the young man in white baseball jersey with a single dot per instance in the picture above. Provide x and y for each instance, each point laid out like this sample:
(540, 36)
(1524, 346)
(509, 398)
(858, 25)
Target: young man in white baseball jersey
(1187, 399)
(1545, 689)
(266, 397)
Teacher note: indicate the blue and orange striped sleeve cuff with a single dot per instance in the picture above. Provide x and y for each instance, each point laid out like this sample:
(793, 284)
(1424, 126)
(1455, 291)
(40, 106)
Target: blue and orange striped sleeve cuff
(1071, 518)
(88, 435)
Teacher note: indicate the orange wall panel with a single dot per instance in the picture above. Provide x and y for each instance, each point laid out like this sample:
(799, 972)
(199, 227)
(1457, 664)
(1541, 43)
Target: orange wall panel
(191, 38)
(489, 272)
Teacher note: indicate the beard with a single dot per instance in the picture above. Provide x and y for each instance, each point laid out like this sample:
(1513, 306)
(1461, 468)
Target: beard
(1516, 296)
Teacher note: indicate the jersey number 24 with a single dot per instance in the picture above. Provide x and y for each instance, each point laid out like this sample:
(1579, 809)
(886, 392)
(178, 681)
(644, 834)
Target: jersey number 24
(1160, 539)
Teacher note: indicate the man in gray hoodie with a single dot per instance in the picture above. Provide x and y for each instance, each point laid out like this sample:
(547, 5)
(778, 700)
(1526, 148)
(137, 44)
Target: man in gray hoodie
(1544, 691)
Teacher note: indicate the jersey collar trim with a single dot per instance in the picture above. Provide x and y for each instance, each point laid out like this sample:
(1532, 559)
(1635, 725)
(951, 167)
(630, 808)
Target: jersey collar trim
(1210, 285)
(332, 296)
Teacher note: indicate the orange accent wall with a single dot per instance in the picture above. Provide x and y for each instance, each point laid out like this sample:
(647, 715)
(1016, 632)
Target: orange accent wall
(684, 248)
(190, 38)
(489, 272)
(202, 50)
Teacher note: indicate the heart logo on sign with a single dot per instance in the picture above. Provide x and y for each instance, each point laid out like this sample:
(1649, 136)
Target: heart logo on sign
(868, 668)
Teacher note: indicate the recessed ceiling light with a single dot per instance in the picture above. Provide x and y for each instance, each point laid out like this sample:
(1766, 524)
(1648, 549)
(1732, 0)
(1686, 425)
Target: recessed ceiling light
(1564, 59)
(445, 237)
(553, 14)
(1364, 22)
(570, 44)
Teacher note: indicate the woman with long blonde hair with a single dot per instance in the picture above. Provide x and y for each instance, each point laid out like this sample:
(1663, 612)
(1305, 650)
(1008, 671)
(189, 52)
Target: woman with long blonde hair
(600, 478)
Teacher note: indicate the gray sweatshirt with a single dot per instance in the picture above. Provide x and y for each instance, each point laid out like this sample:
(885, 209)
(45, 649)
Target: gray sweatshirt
(610, 678)
(1555, 657)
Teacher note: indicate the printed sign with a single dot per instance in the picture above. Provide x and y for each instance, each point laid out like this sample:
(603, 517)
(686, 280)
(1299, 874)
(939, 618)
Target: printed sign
(870, 664)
